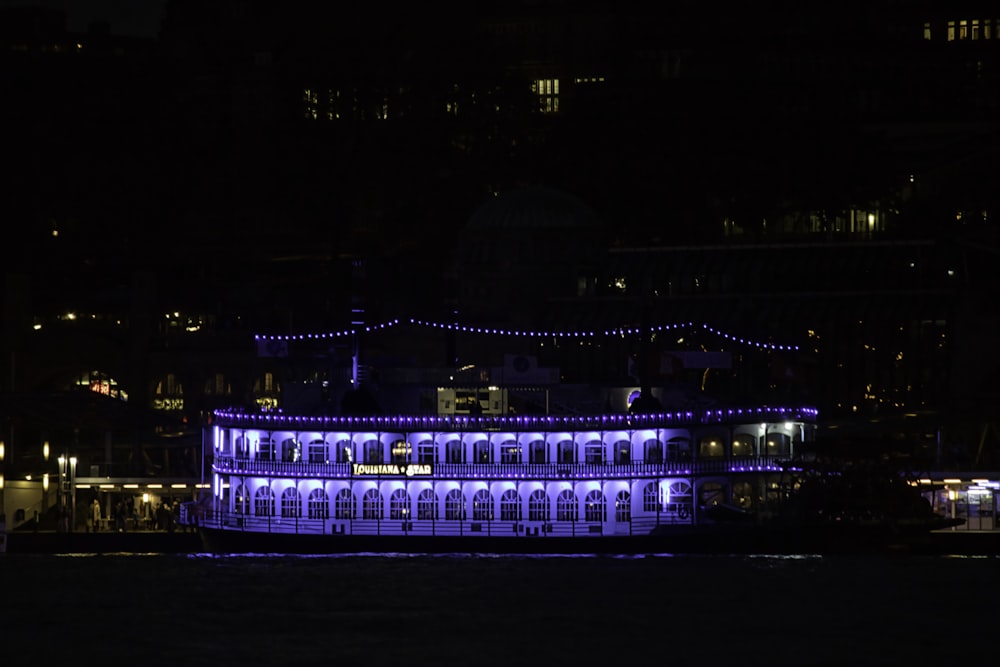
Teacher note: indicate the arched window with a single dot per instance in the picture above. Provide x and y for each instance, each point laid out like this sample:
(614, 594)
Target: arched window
(400, 451)
(679, 449)
(743, 445)
(291, 450)
(399, 505)
(482, 506)
(711, 446)
(623, 507)
(344, 505)
(291, 503)
(453, 452)
(536, 452)
(371, 504)
(426, 452)
(743, 494)
(427, 505)
(345, 453)
(679, 496)
(510, 506)
(265, 449)
(510, 452)
(263, 502)
(566, 506)
(652, 451)
(651, 497)
(373, 451)
(454, 506)
(593, 451)
(242, 448)
(567, 451)
(593, 506)
(778, 444)
(711, 493)
(481, 452)
(319, 505)
(623, 452)
(241, 500)
(538, 506)
(317, 452)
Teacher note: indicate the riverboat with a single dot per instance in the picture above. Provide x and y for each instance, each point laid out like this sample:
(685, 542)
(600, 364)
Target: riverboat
(547, 483)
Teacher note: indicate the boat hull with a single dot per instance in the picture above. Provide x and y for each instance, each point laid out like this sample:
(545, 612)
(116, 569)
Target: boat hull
(720, 540)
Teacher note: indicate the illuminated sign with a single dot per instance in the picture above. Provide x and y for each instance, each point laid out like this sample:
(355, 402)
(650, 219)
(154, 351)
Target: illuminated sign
(391, 469)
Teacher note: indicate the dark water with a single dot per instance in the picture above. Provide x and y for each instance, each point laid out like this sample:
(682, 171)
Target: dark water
(502, 610)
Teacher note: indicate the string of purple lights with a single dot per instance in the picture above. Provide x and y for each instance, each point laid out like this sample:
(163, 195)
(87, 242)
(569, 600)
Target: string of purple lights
(617, 331)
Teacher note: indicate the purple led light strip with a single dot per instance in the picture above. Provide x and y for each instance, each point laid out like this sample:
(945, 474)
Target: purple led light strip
(616, 331)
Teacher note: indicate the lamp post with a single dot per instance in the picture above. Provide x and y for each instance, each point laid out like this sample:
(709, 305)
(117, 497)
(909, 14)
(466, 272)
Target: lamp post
(60, 497)
(72, 493)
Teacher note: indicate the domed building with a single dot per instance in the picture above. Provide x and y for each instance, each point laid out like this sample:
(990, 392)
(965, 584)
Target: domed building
(523, 249)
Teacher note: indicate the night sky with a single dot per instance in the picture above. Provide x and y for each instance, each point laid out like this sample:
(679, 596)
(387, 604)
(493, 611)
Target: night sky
(140, 18)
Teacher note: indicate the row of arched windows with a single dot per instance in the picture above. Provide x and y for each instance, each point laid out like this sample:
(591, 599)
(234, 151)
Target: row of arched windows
(482, 450)
(426, 506)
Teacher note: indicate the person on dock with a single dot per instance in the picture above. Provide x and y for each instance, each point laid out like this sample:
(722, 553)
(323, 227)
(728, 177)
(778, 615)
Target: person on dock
(95, 515)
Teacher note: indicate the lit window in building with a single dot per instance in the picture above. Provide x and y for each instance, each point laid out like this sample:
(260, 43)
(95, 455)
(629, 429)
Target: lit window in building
(317, 451)
(400, 451)
(963, 29)
(975, 29)
(481, 452)
(566, 506)
(567, 451)
(594, 506)
(454, 506)
(427, 505)
(291, 504)
(653, 451)
(593, 451)
(371, 504)
(482, 506)
(927, 31)
(987, 29)
(547, 91)
(319, 507)
(332, 104)
(344, 507)
(623, 507)
(510, 452)
(426, 452)
(263, 502)
(651, 497)
(373, 451)
(241, 500)
(510, 506)
(399, 505)
(310, 100)
(538, 506)
(344, 451)
(951, 31)
(536, 451)
(266, 449)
